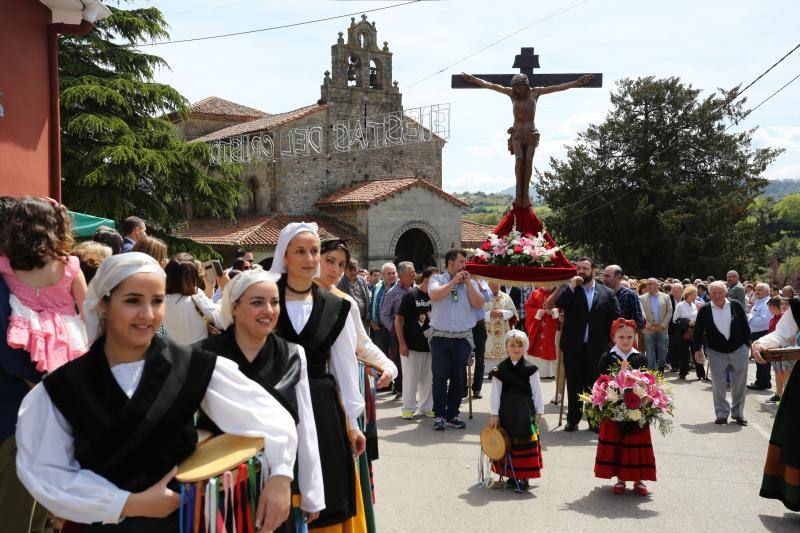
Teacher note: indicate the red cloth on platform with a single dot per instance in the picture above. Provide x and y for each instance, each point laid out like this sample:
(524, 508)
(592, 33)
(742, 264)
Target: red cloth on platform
(526, 221)
(542, 333)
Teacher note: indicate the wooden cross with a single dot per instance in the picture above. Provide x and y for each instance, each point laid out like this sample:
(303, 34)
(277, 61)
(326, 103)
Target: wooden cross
(526, 61)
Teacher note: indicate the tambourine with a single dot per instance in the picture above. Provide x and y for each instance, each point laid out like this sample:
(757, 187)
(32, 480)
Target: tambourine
(782, 354)
(220, 484)
(495, 443)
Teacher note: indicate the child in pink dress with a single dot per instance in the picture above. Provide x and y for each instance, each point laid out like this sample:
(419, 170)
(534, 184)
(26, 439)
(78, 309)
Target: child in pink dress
(46, 283)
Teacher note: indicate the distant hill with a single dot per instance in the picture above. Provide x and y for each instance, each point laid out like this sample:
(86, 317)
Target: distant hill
(511, 191)
(777, 189)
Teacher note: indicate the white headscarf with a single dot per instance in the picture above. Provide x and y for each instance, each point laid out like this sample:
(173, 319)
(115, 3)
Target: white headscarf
(519, 335)
(111, 273)
(287, 234)
(237, 286)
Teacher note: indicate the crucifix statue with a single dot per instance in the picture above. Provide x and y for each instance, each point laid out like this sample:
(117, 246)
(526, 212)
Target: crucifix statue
(524, 90)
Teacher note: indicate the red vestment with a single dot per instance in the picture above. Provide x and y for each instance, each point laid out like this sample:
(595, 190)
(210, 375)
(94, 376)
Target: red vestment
(542, 333)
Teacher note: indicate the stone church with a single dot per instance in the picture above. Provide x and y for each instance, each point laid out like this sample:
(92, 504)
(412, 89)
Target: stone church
(387, 200)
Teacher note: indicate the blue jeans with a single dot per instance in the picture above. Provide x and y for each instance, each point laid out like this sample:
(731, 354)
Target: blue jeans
(449, 363)
(657, 345)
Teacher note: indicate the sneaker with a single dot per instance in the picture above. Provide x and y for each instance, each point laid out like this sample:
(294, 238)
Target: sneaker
(398, 396)
(457, 423)
(438, 424)
(408, 414)
(773, 399)
(428, 414)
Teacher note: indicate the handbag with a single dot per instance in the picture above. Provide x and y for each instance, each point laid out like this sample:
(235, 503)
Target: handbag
(688, 335)
(210, 328)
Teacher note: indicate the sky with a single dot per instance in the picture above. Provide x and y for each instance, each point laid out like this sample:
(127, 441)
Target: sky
(709, 44)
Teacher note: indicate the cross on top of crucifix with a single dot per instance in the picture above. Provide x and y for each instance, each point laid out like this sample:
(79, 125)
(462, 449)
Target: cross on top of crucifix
(526, 61)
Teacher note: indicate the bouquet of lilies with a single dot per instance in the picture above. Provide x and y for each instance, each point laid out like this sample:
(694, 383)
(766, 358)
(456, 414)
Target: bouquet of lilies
(630, 396)
(516, 249)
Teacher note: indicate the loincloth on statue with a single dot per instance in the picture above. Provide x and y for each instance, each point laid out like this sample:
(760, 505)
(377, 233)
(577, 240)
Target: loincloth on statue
(527, 136)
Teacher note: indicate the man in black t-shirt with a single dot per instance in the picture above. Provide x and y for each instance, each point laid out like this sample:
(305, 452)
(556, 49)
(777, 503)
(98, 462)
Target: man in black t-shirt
(410, 323)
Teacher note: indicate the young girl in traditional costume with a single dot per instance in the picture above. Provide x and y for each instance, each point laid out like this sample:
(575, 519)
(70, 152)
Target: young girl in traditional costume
(46, 283)
(517, 407)
(250, 310)
(322, 324)
(624, 450)
(99, 438)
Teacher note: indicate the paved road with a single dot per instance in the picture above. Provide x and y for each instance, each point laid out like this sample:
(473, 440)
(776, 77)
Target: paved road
(709, 476)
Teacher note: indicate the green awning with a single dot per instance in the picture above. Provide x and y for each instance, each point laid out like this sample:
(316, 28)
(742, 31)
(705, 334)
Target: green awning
(85, 225)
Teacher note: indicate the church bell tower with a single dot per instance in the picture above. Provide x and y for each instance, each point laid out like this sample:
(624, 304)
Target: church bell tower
(361, 74)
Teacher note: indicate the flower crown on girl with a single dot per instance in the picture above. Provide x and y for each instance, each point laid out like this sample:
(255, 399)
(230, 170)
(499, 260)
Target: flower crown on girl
(517, 334)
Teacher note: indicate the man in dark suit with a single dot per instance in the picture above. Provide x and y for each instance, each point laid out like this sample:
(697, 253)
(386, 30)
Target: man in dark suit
(589, 310)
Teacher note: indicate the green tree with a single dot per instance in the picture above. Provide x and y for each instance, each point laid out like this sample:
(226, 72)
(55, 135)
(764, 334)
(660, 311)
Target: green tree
(120, 154)
(660, 187)
(787, 214)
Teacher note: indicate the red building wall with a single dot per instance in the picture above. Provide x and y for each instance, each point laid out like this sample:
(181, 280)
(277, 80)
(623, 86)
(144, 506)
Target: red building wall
(24, 82)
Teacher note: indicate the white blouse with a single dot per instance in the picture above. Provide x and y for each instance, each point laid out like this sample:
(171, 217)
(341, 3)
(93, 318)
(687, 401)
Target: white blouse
(785, 333)
(343, 364)
(309, 468)
(183, 323)
(536, 393)
(366, 350)
(685, 310)
(46, 462)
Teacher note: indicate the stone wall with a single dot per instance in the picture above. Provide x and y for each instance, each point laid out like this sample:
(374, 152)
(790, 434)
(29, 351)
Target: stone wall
(412, 208)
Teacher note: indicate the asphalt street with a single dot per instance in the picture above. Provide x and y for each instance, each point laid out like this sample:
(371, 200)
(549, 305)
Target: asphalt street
(708, 475)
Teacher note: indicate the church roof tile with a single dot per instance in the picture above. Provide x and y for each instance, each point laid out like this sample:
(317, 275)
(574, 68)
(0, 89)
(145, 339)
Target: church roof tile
(262, 124)
(473, 234)
(369, 192)
(256, 230)
(219, 108)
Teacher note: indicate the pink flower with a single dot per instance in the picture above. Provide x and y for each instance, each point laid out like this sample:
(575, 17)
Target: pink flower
(626, 380)
(603, 380)
(599, 395)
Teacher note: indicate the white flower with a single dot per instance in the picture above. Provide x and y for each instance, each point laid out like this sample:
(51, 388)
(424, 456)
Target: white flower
(510, 251)
(514, 242)
(635, 415)
(612, 395)
(639, 391)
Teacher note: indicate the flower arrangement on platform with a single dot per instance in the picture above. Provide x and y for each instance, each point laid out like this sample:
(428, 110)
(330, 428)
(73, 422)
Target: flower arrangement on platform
(634, 396)
(516, 249)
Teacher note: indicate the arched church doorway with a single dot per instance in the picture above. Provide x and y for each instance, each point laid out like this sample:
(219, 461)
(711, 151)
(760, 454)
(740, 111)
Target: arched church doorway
(414, 245)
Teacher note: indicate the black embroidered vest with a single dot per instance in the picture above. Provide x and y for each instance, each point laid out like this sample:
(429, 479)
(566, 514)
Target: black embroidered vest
(133, 442)
(277, 366)
(516, 404)
(328, 316)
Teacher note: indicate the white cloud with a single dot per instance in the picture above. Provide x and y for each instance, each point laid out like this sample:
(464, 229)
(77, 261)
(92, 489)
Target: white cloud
(783, 172)
(473, 181)
(787, 137)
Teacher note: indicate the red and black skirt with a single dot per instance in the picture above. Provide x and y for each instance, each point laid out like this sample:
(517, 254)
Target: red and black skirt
(625, 451)
(526, 460)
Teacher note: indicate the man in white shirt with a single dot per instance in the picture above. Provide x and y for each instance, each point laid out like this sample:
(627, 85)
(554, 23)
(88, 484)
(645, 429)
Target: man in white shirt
(758, 320)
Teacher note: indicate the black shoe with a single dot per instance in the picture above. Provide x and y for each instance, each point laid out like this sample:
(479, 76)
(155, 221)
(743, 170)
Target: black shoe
(571, 427)
(476, 396)
(682, 376)
(757, 386)
(773, 399)
(742, 421)
(466, 393)
(721, 421)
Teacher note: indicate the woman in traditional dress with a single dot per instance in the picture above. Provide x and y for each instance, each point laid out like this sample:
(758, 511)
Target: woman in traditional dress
(781, 479)
(322, 324)
(98, 439)
(335, 255)
(250, 310)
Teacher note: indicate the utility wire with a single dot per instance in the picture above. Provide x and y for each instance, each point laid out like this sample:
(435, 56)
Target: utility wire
(670, 142)
(555, 13)
(283, 26)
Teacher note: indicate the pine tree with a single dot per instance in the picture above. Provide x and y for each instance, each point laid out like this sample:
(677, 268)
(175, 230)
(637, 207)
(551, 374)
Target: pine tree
(661, 187)
(120, 153)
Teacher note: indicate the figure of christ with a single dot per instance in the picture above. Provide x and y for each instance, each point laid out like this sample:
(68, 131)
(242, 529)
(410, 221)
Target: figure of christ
(524, 136)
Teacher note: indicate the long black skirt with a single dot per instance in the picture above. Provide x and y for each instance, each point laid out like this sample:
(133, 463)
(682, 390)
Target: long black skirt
(336, 457)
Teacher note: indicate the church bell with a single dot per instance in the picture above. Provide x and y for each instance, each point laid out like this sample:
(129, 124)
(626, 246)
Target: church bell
(351, 68)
